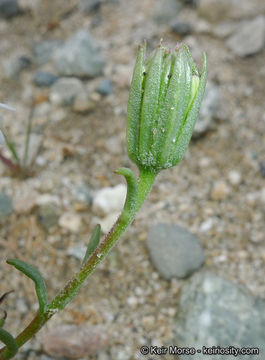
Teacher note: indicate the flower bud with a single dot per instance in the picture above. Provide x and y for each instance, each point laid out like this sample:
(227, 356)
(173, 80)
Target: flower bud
(164, 102)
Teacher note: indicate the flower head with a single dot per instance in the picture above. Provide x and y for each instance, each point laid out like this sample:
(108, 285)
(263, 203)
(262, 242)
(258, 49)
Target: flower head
(164, 102)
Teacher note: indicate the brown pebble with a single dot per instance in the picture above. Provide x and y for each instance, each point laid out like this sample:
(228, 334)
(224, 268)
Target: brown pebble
(74, 342)
(220, 191)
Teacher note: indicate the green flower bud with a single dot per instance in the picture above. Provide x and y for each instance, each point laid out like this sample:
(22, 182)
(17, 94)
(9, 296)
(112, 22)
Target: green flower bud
(164, 102)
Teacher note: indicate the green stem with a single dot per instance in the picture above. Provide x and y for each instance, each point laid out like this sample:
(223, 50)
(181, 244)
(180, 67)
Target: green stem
(28, 133)
(145, 182)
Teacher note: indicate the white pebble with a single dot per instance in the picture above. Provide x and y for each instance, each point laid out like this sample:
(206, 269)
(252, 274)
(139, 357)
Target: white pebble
(108, 221)
(71, 222)
(132, 301)
(207, 225)
(234, 177)
(110, 199)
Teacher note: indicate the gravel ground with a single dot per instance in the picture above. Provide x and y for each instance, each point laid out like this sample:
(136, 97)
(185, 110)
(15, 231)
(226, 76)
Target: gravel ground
(217, 192)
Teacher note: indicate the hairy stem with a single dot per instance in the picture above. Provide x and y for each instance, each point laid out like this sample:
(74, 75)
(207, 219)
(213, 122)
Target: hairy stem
(145, 182)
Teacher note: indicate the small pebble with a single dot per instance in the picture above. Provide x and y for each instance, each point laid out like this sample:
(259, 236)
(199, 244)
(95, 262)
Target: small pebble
(22, 306)
(9, 8)
(71, 222)
(180, 28)
(83, 104)
(132, 301)
(65, 90)
(25, 201)
(88, 6)
(6, 207)
(74, 342)
(44, 50)
(248, 38)
(174, 251)
(104, 87)
(109, 199)
(83, 193)
(220, 191)
(204, 162)
(234, 177)
(108, 221)
(77, 251)
(262, 168)
(48, 216)
(207, 225)
(44, 79)
(79, 56)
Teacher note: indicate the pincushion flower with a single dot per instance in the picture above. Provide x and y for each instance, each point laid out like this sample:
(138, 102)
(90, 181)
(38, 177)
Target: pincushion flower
(164, 102)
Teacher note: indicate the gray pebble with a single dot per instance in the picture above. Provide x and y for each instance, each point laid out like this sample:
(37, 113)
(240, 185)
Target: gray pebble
(9, 8)
(79, 56)
(248, 38)
(83, 193)
(166, 10)
(77, 251)
(213, 311)
(6, 207)
(180, 28)
(89, 5)
(48, 216)
(105, 87)
(190, 2)
(64, 90)
(209, 110)
(14, 65)
(174, 251)
(44, 50)
(44, 79)
(224, 10)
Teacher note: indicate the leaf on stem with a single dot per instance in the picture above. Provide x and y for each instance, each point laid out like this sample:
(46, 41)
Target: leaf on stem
(93, 243)
(10, 342)
(34, 275)
(11, 147)
(132, 188)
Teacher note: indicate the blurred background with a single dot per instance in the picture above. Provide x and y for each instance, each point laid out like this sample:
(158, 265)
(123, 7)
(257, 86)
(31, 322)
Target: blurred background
(190, 271)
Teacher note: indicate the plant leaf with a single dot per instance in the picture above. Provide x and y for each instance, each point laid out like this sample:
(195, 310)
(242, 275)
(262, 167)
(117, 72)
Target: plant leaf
(34, 275)
(132, 189)
(10, 342)
(11, 147)
(93, 243)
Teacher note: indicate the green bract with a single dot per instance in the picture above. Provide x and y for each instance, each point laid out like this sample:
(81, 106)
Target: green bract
(164, 102)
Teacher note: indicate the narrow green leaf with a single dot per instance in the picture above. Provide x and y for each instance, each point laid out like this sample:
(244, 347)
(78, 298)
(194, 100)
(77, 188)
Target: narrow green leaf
(10, 342)
(132, 189)
(93, 243)
(11, 147)
(34, 275)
